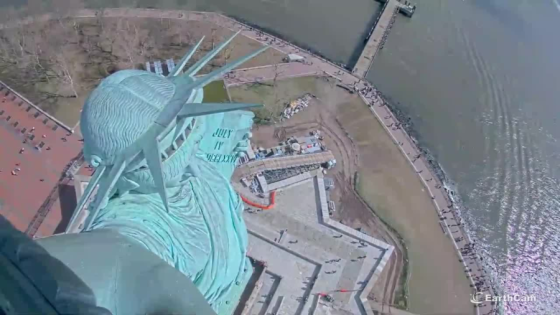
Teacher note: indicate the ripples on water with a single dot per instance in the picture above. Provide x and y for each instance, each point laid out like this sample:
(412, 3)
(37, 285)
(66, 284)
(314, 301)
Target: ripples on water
(519, 186)
(494, 134)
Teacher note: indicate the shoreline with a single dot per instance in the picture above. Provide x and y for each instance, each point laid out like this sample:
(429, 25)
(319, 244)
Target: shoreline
(291, 42)
(344, 76)
(428, 160)
(448, 185)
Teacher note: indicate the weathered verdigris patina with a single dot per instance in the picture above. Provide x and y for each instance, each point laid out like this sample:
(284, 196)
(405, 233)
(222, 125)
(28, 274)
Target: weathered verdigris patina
(163, 164)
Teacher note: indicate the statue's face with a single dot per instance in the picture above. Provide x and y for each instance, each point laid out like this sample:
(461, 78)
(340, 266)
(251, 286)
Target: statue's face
(174, 161)
(121, 109)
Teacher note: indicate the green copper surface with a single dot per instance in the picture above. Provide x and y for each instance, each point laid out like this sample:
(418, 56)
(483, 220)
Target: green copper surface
(164, 161)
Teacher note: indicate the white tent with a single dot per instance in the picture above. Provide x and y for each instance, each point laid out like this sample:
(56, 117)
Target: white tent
(294, 57)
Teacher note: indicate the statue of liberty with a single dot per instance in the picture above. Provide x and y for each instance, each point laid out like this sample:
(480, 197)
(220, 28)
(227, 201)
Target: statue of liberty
(163, 163)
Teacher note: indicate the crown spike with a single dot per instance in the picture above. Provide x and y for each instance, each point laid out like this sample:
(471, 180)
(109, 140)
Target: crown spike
(153, 158)
(179, 68)
(87, 193)
(105, 188)
(227, 68)
(192, 71)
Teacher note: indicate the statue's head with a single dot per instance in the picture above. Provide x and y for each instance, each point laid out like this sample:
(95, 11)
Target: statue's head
(121, 110)
(141, 130)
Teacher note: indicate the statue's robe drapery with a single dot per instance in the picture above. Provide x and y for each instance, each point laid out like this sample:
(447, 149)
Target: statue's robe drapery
(203, 234)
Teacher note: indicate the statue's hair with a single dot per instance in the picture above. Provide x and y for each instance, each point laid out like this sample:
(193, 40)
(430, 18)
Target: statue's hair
(132, 113)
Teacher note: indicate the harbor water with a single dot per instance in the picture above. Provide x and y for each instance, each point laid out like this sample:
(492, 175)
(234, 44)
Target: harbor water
(479, 80)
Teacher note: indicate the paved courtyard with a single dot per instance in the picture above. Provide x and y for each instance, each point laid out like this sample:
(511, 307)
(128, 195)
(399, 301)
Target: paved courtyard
(307, 254)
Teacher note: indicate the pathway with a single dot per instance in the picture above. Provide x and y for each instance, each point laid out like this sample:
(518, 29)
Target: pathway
(299, 242)
(377, 38)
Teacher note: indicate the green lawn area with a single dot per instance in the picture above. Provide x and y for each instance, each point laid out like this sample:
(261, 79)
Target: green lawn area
(388, 184)
(273, 97)
(215, 92)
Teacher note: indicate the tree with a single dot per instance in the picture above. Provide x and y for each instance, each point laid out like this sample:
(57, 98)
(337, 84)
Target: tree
(275, 92)
(67, 72)
(11, 44)
(129, 41)
(100, 15)
(57, 52)
(154, 39)
(14, 45)
(35, 35)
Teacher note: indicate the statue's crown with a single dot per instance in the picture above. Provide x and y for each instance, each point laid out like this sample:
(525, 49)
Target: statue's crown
(127, 116)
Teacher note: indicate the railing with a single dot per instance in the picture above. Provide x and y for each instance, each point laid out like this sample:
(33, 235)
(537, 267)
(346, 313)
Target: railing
(37, 108)
(45, 208)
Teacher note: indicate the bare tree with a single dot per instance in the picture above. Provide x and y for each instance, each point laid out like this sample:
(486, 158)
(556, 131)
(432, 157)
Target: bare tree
(57, 51)
(100, 14)
(34, 9)
(153, 39)
(21, 44)
(68, 76)
(213, 37)
(275, 91)
(14, 45)
(33, 57)
(11, 44)
(129, 39)
(107, 38)
(227, 52)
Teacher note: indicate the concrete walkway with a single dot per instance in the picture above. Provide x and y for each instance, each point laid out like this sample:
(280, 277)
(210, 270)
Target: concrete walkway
(299, 241)
(377, 39)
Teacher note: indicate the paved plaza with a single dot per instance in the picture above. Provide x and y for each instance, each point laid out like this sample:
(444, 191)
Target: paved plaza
(36, 151)
(308, 254)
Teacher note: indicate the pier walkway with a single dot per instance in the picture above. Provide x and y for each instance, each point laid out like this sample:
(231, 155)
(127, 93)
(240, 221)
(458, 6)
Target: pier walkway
(377, 38)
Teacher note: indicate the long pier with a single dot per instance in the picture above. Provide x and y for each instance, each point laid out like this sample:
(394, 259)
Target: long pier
(379, 34)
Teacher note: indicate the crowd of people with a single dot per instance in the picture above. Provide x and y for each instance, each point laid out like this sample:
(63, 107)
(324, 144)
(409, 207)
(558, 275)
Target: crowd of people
(467, 251)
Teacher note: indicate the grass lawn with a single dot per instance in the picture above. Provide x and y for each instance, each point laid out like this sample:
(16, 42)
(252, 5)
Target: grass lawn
(274, 97)
(215, 92)
(388, 184)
